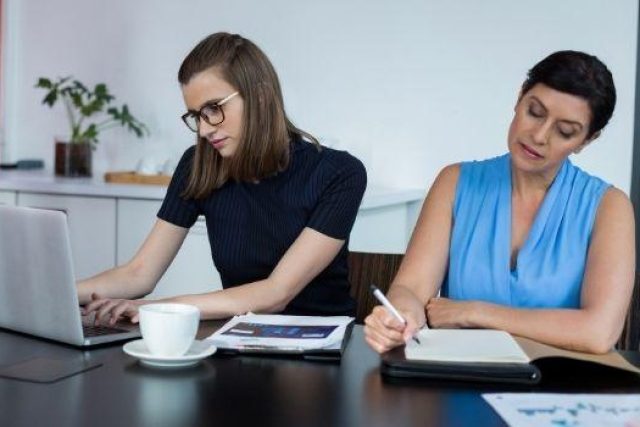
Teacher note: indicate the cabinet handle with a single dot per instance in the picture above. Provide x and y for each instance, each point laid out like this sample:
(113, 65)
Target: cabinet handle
(64, 211)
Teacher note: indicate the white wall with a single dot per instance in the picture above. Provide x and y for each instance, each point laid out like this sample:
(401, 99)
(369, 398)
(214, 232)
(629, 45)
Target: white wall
(408, 86)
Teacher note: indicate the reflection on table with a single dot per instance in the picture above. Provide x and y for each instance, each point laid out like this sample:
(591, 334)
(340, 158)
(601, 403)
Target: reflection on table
(264, 391)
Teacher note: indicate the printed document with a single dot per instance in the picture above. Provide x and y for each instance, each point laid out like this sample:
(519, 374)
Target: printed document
(281, 333)
(576, 410)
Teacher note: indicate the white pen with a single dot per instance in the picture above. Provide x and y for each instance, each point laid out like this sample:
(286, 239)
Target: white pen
(384, 301)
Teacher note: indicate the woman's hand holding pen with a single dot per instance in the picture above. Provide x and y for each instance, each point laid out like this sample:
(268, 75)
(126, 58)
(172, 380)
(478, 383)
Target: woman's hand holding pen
(383, 331)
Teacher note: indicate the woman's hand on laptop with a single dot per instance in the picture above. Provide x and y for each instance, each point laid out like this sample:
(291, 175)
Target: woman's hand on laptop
(109, 310)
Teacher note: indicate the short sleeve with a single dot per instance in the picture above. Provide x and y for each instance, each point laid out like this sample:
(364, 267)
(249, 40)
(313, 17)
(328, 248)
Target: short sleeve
(176, 209)
(345, 181)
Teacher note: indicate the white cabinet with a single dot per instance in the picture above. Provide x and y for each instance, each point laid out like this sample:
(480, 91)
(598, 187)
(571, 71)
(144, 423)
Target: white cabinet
(380, 230)
(92, 228)
(384, 229)
(108, 223)
(7, 198)
(192, 271)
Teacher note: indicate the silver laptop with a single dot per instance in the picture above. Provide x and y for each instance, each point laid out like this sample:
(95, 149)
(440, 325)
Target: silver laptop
(37, 285)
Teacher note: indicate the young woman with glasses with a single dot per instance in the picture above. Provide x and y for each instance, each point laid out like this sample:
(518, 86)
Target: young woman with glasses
(278, 206)
(525, 242)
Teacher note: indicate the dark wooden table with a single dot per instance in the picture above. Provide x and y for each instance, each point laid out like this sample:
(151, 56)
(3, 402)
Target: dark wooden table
(259, 391)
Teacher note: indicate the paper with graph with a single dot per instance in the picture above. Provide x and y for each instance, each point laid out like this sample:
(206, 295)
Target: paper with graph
(575, 410)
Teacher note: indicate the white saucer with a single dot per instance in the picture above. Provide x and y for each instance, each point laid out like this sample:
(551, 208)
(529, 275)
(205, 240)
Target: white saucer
(198, 351)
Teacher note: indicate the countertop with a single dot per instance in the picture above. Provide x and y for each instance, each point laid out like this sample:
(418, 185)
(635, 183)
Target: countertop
(46, 182)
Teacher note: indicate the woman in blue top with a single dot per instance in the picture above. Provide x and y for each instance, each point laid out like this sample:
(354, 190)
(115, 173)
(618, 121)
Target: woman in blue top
(526, 242)
(278, 207)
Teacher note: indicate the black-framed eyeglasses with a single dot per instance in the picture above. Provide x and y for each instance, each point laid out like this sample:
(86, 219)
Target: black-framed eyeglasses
(210, 112)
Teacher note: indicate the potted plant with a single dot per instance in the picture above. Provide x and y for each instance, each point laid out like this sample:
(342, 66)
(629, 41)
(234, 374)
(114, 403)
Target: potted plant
(89, 113)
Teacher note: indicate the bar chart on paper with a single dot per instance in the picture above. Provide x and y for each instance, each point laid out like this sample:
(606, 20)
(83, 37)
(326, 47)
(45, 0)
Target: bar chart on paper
(566, 410)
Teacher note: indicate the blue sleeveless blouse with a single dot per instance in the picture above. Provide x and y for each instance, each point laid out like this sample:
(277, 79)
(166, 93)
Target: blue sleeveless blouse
(550, 264)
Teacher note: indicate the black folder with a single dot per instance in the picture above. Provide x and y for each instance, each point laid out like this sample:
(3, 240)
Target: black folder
(395, 364)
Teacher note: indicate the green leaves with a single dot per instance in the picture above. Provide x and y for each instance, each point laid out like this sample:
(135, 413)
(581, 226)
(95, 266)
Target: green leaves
(53, 89)
(44, 83)
(126, 119)
(90, 133)
(82, 103)
(51, 98)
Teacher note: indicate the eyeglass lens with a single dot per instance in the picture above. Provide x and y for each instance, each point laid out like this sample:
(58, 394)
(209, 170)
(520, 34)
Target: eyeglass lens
(211, 113)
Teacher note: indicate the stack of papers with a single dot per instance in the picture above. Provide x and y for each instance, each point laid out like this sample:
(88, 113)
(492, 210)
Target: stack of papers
(278, 333)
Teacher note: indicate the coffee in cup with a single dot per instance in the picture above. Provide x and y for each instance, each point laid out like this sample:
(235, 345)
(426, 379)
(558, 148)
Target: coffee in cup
(168, 329)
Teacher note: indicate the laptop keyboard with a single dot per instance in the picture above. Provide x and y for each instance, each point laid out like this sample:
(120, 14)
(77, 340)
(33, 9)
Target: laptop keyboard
(99, 330)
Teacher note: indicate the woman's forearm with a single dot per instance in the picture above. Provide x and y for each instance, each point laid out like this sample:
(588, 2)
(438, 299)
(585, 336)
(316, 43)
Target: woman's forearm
(405, 300)
(573, 329)
(260, 297)
(120, 282)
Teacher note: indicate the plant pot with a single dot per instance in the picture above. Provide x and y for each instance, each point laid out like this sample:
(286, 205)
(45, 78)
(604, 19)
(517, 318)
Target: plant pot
(73, 159)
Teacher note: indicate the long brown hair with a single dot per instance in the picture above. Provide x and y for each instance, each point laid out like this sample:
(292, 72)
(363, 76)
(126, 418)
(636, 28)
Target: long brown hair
(263, 149)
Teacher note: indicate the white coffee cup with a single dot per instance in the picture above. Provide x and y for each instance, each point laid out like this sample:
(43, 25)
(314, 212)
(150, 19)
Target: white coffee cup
(168, 329)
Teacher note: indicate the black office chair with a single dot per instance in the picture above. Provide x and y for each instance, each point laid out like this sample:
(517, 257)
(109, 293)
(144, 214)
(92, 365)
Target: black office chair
(630, 338)
(365, 269)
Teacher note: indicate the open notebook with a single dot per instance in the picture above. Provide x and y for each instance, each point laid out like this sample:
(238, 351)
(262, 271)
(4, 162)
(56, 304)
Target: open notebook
(482, 355)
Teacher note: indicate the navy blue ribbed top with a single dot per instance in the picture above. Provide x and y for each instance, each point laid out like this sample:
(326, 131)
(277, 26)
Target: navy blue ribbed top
(251, 225)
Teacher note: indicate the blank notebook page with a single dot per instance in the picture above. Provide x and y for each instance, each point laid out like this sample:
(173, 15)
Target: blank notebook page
(465, 345)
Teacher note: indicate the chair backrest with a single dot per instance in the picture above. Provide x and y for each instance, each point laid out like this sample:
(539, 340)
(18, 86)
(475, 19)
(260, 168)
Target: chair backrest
(366, 269)
(630, 338)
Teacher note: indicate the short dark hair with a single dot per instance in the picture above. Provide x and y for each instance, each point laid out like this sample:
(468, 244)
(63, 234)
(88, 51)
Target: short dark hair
(263, 148)
(580, 74)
